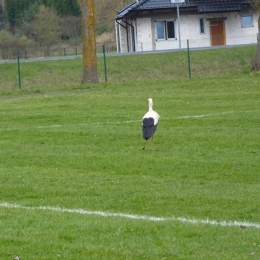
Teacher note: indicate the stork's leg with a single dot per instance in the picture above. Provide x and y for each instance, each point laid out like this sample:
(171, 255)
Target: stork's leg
(153, 143)
(144, 145)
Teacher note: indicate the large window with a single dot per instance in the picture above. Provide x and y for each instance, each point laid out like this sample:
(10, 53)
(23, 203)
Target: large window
(165, 30)
(246, 20)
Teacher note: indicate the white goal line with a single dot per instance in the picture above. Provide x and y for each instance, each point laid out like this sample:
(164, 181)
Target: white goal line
(137, 217)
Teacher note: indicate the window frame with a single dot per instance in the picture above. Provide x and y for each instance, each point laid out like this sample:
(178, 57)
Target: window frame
(167, 30)
(166, 24)
(158, 33)
(243, 25)
(202, 26)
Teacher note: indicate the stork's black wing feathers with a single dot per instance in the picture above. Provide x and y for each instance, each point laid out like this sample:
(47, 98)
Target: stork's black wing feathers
(148, 128)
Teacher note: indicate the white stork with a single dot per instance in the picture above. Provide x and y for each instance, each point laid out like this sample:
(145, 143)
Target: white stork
(150, 122)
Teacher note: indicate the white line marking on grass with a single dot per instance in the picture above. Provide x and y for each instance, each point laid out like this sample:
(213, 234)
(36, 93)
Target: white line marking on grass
(135, 121)
(136, 217)
(92, 123)
(132, 121)
(217, 114)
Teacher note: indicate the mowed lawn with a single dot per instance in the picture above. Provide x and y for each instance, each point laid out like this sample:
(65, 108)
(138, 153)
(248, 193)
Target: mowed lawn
(70, 159)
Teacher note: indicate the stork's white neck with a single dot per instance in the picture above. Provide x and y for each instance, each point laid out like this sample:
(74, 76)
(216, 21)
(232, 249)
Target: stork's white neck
(150, 104)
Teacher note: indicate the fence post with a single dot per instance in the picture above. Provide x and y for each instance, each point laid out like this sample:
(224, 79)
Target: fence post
(19, 73)
(188, 49)
(105, 62)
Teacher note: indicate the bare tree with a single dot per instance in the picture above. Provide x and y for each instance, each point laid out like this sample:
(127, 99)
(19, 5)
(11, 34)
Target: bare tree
(89, 42)
(256, 61)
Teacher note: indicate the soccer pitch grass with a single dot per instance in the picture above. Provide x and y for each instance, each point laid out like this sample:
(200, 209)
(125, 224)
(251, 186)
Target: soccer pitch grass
(75, 183)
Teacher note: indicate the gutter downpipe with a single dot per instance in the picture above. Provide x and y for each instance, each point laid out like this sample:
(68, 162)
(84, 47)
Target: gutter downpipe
(132, 34)
(179, 29)
(118, 38)
(126, 32)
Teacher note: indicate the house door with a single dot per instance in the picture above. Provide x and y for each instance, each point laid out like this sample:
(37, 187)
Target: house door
(217, 32)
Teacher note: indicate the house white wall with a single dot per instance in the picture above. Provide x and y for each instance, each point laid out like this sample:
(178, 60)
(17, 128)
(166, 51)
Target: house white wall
(145, 32)
(144, 39)
(122, 39)
(236, 34)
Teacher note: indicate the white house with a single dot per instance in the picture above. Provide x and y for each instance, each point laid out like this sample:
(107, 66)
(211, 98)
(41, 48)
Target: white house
(148, 25)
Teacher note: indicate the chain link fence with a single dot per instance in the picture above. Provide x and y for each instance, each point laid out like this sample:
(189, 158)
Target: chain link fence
(218, 41)
(194, 59)
(111, 47)
(28, 53)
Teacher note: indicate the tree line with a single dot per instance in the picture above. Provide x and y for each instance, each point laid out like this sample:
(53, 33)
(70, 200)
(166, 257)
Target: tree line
(44, 23)
(15, 12)
(38, 23)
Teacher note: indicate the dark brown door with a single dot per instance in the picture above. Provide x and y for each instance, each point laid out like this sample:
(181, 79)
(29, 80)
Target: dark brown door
(217, 32)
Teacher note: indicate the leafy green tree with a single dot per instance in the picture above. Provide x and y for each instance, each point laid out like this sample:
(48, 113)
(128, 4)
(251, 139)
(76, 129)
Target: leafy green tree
(6, 42)
(45, 27)
(75, 8)
(14, 9)
(106, 12)
(24, 25)
(64, 7)
(10, 42)
(2, 19)
(30, 11)
(70, 28)
(11, 9)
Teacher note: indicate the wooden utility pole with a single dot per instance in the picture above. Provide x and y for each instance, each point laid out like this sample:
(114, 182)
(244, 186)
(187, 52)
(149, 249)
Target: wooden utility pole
(89, 42)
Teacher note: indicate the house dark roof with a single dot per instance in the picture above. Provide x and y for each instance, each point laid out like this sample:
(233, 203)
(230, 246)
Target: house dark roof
(203, 6)
(219, 5)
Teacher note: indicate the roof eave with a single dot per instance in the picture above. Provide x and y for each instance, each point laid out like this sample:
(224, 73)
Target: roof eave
(133, 12)
(222, 11)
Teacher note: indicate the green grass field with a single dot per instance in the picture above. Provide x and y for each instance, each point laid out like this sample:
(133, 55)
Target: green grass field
(76, 184)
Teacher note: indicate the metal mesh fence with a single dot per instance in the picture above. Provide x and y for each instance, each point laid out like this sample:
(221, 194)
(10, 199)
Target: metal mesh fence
(200, 60)
(194, 43)
(28, 53)
(111, 48)
(9, 54)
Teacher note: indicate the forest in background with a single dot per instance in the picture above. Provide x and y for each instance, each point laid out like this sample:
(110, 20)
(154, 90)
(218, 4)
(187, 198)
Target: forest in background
(45, 23)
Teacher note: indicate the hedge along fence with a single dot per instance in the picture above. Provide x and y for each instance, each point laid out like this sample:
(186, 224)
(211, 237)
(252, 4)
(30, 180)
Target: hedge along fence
(142, 66)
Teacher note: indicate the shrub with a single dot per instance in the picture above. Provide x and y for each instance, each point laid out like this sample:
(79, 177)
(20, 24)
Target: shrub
(9, 43)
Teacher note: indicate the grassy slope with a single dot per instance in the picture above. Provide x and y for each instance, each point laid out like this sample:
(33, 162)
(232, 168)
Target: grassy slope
(83, 150)
(66, 74)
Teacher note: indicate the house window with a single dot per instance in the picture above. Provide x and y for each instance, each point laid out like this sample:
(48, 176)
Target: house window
(202, 29)
(160, 30)
(247, 21)
(170, 29)
(165, 30)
